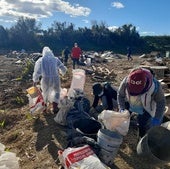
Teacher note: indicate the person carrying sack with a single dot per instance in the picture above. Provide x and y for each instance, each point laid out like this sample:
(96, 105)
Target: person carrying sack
(47, 68)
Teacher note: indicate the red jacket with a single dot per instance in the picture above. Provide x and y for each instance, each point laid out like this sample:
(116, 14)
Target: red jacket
(76, 52)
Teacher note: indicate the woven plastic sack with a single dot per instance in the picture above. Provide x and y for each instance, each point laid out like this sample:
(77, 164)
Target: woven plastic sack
(36, 103)
(65, 105)
(80, 158)
(8, 160)
(115, 121)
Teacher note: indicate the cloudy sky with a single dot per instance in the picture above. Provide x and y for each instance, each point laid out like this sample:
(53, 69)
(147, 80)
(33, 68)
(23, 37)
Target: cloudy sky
(151, 17)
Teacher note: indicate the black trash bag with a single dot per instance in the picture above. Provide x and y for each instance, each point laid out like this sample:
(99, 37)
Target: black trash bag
(84, 140)
(87, 126)
(79, 122)
(74, 115)
(82, 104)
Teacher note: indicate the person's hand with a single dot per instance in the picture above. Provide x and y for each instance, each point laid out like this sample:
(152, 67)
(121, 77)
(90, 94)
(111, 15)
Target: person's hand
(93, 113)
(155, 122)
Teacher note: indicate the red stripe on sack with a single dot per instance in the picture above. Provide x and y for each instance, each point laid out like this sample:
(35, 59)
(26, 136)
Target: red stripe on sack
(79, 155)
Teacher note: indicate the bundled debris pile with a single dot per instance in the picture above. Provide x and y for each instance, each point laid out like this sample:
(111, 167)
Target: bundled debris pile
(102, 74)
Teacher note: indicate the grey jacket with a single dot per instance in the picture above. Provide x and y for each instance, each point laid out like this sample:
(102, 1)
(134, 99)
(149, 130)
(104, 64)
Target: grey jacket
(157, 97)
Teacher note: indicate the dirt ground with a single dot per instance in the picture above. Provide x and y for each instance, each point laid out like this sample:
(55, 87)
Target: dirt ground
(37, 141)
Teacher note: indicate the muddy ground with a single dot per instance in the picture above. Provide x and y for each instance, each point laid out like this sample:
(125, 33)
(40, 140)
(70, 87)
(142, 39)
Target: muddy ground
(37, 141)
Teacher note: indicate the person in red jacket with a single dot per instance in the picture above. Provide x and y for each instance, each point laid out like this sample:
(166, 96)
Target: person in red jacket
(76, 52)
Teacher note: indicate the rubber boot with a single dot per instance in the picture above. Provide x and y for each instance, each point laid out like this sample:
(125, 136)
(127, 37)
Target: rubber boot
(55, 108)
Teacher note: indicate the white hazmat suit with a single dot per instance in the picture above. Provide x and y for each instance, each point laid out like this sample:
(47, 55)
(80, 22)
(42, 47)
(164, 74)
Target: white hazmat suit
(48, 68)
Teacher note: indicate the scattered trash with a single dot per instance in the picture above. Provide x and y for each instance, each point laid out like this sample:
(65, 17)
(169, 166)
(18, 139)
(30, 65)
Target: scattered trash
(115, 121)
(36, 101)
(8, 160)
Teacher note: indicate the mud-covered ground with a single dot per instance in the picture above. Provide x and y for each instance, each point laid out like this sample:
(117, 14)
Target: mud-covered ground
(36, 141)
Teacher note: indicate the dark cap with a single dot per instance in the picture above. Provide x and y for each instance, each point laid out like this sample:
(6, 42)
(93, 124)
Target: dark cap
(97, 88)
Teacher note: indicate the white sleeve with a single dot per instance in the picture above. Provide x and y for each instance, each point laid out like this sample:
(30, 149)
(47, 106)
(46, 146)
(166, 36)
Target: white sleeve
(37, 70)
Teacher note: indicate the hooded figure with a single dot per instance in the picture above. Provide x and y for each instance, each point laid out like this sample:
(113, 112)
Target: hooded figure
(47, 68)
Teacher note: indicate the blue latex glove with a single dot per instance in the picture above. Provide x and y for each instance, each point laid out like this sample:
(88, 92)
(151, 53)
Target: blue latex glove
(155, 122)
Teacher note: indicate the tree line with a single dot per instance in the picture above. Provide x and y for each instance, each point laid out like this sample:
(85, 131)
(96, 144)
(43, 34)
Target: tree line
(27, 34)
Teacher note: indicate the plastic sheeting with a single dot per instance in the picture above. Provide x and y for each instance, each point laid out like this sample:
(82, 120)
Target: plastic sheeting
(8, 160)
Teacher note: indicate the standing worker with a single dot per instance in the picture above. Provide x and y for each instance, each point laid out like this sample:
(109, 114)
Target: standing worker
(66, 53)
(76, 53)
(47, 68)
(145, 96)
(129, 53)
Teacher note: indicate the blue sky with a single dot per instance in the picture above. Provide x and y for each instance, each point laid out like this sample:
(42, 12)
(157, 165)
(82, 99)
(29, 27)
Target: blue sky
(150, 17)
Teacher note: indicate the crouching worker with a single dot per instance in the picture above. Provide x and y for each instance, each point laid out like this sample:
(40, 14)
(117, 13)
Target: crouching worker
(106, 94)
(145, 96)
(47, 68)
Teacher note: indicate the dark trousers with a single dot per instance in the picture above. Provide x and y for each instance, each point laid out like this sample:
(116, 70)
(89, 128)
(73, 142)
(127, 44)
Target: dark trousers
(75, 61)
(144, 122)
(129, 57)
(65, 60)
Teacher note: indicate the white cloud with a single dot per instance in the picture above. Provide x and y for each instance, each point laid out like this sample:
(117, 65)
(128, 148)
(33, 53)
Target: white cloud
(112, 28)
(7, 21)
(12, 9)
(144, 33)
(63, 6)
(137, 28)
(117, 5)
(147, 33)
(85, 21)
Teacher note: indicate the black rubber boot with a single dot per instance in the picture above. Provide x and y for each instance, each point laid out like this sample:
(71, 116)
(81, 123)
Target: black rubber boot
(55, 108)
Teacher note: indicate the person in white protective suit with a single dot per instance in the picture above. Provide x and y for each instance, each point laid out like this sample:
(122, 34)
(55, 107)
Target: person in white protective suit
(47, 70)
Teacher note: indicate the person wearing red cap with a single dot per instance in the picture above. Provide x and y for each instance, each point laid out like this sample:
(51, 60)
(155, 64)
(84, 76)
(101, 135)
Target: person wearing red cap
(145, 96)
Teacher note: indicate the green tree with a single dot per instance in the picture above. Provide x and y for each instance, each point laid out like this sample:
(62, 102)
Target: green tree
(23, 34)
(4, 40)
